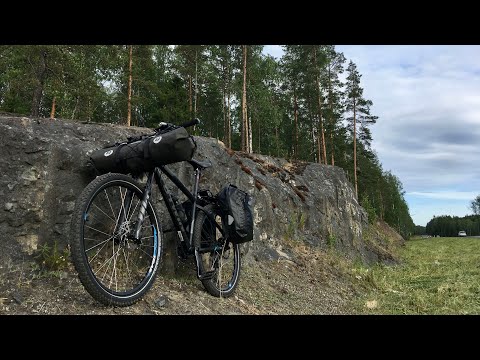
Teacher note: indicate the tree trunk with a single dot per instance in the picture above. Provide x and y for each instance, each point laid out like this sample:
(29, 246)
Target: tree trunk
(320, 108)
(332, 125)
(76, 107)
(313, 143)
(190, 95)
(333, 149)
(52, 113)
(245, 131)
(229, 121)
(224, 103)
(41, 74)
(355, 146)
(250, 137)
(295, 115)
(278, 141)
(196, 86)
(259, 133)
(319, 146)
(129, 104)
(224, 114)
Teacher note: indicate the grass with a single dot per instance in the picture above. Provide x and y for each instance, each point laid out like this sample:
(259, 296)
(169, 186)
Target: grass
(51, 260)
(437, 276)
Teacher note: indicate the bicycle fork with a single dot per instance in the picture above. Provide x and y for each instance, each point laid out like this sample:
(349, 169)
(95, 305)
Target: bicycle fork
(143, 207)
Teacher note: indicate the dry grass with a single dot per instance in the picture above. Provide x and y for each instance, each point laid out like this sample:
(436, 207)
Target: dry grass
(311, 282)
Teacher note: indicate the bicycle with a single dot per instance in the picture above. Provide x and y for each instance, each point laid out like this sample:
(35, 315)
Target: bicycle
(117, 239)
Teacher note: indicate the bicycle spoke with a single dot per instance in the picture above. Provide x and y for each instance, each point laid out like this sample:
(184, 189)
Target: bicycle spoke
(106, 261)
(98, 252)
(117, 266)
(130, 207)
(115, 269)
(103, 212)
(122, 202)
(145, 253)
(133, 212)
(93, 247)
(97, 230)
(126, 264)
(106, 195)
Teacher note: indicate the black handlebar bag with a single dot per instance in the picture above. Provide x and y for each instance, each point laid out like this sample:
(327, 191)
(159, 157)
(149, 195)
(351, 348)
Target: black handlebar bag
(143, 153)
(237, 209)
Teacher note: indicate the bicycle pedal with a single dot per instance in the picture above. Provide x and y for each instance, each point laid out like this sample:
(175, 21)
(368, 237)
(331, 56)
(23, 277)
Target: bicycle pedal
(207, 275)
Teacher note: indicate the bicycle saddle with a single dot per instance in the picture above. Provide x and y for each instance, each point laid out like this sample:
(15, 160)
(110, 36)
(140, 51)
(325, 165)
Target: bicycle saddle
(200, 164)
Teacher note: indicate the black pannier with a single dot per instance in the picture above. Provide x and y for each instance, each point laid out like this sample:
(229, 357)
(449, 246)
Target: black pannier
(144, 153)
(237, 208)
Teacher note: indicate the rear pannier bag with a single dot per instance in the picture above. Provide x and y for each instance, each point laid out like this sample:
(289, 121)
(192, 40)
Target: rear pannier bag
(237, 207)
(144, 154)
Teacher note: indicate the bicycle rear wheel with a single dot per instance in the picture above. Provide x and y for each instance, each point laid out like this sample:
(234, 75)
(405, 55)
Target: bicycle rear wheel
(113, 267)
(217, 255)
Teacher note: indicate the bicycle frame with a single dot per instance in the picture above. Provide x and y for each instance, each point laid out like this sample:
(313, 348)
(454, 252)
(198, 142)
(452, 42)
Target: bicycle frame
(185, 239)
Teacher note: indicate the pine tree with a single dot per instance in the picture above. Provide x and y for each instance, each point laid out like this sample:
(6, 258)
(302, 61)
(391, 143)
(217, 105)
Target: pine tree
(334, 63)
(360, 109)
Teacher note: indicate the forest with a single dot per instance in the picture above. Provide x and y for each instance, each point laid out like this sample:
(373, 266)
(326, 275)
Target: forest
(450, 225)
(308, 105)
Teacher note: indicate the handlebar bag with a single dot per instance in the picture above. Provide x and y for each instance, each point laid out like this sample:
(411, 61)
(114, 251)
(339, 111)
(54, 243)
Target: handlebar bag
(144, 153)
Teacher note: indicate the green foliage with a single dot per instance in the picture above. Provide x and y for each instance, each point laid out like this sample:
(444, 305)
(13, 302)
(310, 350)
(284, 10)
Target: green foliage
(420, 230)
(367, 205)
(176, 83)
(291, 228)
(51, 258)
(302, 218)
(475, 205)
(451, 225)
(331, 241)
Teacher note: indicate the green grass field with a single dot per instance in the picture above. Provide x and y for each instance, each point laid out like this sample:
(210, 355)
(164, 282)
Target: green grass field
(436, 276)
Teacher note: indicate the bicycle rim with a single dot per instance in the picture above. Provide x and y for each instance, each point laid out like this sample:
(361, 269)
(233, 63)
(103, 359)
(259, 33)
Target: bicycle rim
(119, 265)
(223, 257)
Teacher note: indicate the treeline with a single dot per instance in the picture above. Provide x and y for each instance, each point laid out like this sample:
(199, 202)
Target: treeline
(308, 105)
(450, 226)
(420, 230)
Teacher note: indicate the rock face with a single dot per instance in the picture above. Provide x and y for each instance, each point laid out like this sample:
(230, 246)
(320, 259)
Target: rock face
(44, 168)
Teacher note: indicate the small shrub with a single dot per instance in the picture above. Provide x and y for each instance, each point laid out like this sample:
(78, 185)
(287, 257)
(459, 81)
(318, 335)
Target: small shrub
(302, 218)
(51, 258)
(331, 240)
(292, 225)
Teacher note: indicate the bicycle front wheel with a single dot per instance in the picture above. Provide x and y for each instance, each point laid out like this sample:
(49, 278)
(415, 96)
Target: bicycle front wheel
(113, 267)
(217, 255)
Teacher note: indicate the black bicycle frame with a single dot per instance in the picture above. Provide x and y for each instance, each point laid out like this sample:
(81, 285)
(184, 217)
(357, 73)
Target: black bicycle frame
(186, 239)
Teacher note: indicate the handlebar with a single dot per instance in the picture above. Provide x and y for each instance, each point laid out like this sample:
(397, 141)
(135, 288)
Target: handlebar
(163, 127)
(191, 123)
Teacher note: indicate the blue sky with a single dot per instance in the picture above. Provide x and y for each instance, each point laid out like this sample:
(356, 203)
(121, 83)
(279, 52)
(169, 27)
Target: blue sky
(428, 132)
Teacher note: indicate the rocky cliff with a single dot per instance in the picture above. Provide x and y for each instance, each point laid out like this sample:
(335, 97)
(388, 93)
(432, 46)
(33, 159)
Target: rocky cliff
(43, 165)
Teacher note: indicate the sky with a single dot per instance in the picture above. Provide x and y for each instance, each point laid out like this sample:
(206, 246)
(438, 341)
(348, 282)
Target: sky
(427, 99)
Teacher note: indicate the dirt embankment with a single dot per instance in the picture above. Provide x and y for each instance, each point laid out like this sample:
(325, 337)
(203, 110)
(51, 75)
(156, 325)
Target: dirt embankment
(309, 281)
(307, 223)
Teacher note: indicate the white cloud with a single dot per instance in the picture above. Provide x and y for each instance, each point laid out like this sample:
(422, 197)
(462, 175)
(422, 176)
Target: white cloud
(428, 132)
(446, 195)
